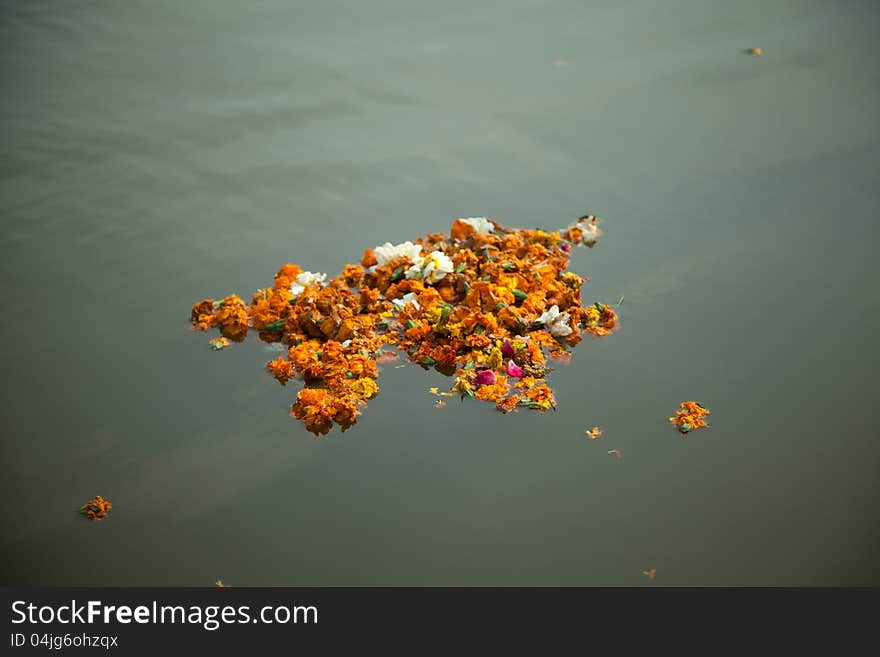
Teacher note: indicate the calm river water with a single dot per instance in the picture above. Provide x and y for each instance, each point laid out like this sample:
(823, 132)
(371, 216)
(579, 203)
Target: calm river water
(155, 153)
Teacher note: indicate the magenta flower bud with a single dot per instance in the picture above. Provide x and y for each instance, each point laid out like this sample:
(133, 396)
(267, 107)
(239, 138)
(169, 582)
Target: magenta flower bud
(566, 247)
(486, 377)
(514, 371)
(507, 349)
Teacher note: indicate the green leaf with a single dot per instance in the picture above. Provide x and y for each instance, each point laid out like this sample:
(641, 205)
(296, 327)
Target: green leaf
(428, 361)
(277, 325)
(508, 266)
(397, 275)
(479, 330)
(460, 268)
(600, 307)
(410, 324)
(519, 294)
(470, 393)
(470, 365)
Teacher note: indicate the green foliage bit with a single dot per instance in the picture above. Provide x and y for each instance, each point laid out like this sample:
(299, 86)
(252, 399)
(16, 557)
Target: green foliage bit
(277, 325)
(520, 295)
(397, 275)
(460, 267)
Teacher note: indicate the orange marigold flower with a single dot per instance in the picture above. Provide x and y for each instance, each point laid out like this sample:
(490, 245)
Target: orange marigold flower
(96, 508)
(281, 369)
(202, 316)
(690, 416)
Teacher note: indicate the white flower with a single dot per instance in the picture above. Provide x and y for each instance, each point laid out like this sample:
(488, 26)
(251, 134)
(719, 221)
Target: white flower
(589, 226)
(400, 304)
(388, 252)
(432, 268)
(304, 280)
(480, 224)
(556, 322)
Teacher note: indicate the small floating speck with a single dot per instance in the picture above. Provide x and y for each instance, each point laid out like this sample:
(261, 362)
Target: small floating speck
(219, 343)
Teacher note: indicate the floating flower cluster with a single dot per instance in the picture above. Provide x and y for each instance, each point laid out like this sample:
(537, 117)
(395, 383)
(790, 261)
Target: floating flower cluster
(485, 305)
(690, 417)
(96, 508)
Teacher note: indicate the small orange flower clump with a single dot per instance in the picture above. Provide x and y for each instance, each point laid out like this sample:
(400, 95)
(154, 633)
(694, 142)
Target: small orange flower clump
(690, 416)
(96, 508)
(483, 305)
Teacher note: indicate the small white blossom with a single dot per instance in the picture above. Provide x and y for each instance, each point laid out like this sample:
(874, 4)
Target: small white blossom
(480, 224)
(304, 280)
(400, 304)
(388, 252)
(589, 226)
(556, 322)
(432, 268)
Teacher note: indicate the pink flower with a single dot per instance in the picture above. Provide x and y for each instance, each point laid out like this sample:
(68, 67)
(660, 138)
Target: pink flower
(507, 349)
(486, 377)
(514, 371)
(565, 246)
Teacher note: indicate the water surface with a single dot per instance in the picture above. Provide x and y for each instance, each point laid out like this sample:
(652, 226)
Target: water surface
(155, 153)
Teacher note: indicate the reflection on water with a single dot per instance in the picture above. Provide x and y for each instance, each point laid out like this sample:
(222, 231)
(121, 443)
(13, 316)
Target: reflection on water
(156, 153)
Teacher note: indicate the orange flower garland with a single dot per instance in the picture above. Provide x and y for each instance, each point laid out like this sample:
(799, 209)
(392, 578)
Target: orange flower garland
(482, 305)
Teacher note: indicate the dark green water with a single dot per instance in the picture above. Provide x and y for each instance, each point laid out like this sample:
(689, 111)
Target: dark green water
(157, 153)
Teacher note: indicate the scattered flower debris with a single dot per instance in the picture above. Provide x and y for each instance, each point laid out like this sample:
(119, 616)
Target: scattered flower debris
(96, 508)
(220, 585)
(439, 403)
(755, 52)
(481, 305)
(593, 433)
(615, 453)
(650, 574)
(434, 391)
(220, 343)
(690, 417)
